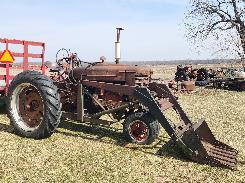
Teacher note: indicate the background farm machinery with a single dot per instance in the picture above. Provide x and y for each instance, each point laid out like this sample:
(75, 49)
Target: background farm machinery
(225, 77)
(186, 78)
(229, 78)
(86, 91)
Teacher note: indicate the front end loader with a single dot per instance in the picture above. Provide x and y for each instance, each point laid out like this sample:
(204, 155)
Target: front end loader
(86, 91)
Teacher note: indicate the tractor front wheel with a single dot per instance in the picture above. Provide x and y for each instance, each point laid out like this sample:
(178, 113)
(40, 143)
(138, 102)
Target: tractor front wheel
(34, 105)
(141, 128)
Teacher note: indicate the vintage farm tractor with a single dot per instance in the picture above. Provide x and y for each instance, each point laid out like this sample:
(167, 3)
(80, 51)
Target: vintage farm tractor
(86, 91)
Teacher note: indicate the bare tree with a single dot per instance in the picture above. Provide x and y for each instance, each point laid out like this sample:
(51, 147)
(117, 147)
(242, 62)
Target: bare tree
(220, 19)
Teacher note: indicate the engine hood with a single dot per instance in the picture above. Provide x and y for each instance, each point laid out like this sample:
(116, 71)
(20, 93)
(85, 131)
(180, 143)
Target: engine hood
(111, 72)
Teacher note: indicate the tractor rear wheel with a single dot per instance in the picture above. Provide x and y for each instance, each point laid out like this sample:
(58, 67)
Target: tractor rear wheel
(141, 128)
(34, 105)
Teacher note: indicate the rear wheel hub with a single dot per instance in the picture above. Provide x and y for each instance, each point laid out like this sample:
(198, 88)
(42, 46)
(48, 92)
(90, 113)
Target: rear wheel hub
(29, 106)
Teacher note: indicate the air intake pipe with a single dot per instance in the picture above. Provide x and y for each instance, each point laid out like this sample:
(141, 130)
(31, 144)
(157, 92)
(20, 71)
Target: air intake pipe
(118, 46)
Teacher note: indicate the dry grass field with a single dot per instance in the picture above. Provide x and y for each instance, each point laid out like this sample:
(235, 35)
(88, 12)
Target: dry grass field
(87, 153)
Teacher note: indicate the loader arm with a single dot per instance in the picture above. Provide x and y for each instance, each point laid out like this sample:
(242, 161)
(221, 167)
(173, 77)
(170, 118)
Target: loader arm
(144, 96)
(195, 140)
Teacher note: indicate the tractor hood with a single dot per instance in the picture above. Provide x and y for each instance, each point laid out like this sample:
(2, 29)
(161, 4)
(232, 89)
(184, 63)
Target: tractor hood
(111, 72)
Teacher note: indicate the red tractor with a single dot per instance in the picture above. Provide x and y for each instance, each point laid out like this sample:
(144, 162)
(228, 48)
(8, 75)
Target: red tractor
(85, 91)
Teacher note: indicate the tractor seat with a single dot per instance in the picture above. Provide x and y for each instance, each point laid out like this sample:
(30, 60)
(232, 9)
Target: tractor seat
(53, 67)
(56, 69)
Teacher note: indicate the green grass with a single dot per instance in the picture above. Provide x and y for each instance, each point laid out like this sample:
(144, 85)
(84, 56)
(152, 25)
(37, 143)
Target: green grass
(85, 153)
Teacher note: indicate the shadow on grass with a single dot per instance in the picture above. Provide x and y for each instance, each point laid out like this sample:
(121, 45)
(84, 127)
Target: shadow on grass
(162, 146)
(92, 132)
(5, 127)
(3, 110)
(226, 88)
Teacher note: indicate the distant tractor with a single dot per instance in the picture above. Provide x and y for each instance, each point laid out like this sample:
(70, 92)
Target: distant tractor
(86, 91)
(186, 73)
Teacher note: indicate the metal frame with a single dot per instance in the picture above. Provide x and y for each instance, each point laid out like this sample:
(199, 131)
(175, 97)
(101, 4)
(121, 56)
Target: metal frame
(25, 55)
(234, 83)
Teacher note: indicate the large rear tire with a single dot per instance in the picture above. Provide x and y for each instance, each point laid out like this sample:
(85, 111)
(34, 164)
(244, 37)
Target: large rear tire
(141, 128)
(34, 106)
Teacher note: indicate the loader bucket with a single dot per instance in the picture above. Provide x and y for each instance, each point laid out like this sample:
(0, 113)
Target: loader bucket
(195, 140)
(201, 146)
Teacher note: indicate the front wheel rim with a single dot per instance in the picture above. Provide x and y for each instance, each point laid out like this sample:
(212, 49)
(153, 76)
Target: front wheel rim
(139, 131)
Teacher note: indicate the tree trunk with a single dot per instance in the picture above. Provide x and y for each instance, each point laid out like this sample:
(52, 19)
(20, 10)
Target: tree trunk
(242, 37)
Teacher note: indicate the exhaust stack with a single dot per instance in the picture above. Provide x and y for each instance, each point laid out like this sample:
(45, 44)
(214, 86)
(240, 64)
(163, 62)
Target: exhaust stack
(118, 46)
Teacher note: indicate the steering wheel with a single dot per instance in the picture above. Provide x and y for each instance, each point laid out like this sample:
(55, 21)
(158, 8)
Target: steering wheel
(62, 57)
(68, 60)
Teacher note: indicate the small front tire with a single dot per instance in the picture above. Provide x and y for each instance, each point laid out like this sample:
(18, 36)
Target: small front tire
(141, 128)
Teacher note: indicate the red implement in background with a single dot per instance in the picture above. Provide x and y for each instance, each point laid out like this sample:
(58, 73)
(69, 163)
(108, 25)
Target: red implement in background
(7, 77)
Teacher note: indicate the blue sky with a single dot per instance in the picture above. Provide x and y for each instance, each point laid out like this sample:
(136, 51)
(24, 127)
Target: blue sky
(153, 28)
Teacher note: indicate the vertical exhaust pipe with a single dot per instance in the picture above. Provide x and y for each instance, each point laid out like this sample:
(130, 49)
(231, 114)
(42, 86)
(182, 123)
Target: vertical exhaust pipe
(118, 46)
